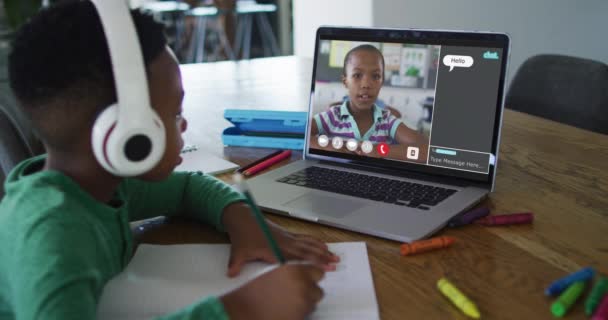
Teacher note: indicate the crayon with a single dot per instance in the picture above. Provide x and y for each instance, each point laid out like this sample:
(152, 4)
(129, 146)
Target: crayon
(506, 219)
(469, 217)
(567, 299)
(595, 297)
(458, 298)
(426, 245)
(256, 162)
(602, 311)
(267, 163)
(559, 285)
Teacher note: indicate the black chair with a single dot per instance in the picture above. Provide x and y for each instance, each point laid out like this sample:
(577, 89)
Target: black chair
(17, 143)
(566, 89)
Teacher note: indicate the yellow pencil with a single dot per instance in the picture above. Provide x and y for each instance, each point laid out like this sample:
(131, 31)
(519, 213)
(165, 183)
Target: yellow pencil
(458, 298)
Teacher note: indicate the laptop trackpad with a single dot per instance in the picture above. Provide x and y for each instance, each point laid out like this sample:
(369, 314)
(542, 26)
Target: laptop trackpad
(324, 205)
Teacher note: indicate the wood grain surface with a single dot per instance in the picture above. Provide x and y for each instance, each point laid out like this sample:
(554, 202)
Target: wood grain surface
(556, 171)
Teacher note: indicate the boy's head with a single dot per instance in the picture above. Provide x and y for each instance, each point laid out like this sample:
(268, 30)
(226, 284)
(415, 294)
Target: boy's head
(60, 71)
(363, 75)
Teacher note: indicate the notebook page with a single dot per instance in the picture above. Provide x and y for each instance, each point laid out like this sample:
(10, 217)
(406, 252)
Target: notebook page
(194, 159)
(161, 279)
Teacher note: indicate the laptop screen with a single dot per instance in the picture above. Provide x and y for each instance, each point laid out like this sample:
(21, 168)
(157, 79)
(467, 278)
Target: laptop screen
(427, 101)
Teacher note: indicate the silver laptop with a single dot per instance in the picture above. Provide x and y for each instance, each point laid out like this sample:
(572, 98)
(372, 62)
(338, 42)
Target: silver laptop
(403, 131)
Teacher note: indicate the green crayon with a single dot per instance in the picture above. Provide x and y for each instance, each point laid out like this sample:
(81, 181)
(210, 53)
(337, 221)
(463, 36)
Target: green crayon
(595, 297)
(567, 299)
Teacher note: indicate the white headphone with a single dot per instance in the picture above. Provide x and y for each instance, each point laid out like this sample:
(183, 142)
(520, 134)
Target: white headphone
(128, 137)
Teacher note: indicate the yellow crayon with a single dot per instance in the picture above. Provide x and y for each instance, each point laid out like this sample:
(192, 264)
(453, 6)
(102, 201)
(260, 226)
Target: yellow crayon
(458, 298)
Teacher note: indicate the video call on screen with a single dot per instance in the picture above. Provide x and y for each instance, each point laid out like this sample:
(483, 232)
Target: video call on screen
(436, 104)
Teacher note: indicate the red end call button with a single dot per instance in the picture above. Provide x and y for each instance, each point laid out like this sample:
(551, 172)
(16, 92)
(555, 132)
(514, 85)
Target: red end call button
(383, 149)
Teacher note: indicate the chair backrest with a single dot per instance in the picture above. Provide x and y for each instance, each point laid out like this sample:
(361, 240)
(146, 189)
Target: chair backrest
(12, 147)
(566, 89)
(17, 143)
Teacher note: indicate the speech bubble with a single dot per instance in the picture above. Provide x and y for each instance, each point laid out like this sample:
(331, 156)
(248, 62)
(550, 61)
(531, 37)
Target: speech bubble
(457, 61)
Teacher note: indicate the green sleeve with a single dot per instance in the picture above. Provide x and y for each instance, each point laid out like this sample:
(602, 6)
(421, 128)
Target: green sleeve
(54, 275)
(209, 308)
(196, 195)
(61, 277)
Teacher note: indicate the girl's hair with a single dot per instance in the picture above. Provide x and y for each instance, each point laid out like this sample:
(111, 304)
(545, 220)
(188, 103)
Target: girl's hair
(363, 47)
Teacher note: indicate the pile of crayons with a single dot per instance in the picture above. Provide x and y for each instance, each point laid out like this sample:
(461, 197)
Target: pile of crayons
(571, 287)
(481, 216)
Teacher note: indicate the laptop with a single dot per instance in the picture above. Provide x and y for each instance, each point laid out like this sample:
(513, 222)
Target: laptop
(402, 135)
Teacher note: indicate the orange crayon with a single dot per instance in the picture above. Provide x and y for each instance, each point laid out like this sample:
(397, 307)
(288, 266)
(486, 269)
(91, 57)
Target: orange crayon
(426, 245)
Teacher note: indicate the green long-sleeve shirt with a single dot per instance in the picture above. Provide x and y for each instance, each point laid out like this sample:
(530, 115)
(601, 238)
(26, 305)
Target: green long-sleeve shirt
(59, 246)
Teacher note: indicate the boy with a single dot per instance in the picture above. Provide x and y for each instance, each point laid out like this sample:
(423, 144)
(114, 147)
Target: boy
(64, 221)
(359, 117)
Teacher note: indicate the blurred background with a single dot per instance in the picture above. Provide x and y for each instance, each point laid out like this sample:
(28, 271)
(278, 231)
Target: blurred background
(214, 30)
(563, 41)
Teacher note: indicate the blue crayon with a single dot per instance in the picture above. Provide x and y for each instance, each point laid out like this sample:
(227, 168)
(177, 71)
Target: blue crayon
(560, 285)
(469, 217)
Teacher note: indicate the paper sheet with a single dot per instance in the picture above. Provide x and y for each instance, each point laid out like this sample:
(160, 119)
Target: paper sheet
(200, 160)
(162, 279)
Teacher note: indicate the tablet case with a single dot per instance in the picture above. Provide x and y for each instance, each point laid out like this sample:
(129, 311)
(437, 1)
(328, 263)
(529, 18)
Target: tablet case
(265, 129)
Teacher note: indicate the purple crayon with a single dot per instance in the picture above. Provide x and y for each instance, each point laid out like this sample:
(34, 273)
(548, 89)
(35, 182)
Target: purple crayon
(469, 217)
(506, 219)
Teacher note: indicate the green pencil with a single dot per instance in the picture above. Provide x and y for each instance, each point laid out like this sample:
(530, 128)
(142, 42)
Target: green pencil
(240, 181)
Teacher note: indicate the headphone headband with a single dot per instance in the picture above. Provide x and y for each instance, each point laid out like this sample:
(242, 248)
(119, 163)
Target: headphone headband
(128, 137)
(126, 55)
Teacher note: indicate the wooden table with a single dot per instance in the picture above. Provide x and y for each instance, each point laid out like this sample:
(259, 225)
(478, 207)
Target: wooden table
(556, 171)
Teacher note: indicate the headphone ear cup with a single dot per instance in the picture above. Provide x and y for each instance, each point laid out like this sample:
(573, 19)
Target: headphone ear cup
(143, 145)
(128, 148)
(102, 128)
(128, 137)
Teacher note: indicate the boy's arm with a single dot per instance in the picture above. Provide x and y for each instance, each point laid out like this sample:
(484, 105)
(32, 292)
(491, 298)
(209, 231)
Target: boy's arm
(196, 195)
(53, 274)
(60, 278)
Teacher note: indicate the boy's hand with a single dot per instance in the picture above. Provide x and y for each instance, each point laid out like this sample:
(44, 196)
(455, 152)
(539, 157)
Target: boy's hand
(287, 292)
(250, 244)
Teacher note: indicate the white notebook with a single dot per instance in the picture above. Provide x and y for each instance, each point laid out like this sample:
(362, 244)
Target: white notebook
(162, 279)
(195, 159)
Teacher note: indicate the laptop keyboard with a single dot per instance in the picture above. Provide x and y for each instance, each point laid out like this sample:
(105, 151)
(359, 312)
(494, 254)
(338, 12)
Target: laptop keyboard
(397, 192)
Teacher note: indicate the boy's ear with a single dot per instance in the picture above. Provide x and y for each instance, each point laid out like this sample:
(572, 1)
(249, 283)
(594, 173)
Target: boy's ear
(344, 80)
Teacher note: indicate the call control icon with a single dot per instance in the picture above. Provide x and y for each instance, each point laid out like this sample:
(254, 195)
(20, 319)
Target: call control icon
(383, 149)
(412, 153)
(337, 142)
(367, 146)
(351, 144)
(323, 140)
